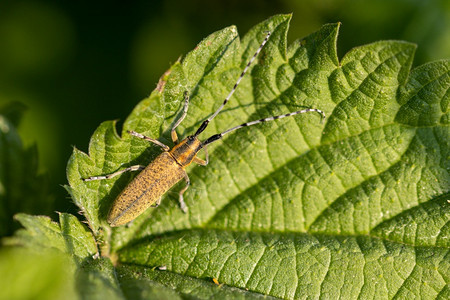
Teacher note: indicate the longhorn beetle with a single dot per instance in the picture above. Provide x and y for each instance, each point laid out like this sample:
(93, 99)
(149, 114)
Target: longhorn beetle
(169, 167)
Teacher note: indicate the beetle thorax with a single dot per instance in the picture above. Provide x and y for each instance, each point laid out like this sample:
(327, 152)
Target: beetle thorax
(185, 151)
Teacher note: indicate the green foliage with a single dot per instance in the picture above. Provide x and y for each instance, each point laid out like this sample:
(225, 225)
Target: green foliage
(68, 236)
(356, 207)
(30, 275)
(21, 188)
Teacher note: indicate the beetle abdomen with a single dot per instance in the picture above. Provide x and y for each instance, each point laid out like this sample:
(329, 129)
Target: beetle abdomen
(156, 179)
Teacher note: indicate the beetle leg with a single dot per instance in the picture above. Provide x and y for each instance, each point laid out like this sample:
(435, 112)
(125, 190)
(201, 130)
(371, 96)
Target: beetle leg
(200, 161)
(157, 203)
(174, 136)
(149, 139)
(108, 176)
(173, 133)
(181, 199)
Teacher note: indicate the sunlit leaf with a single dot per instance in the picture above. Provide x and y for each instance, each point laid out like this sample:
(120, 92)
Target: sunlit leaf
(356, 207)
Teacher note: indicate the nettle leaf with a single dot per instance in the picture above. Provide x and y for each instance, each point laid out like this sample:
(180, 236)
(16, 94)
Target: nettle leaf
(68, 236)
(356, 207)
(49, 258)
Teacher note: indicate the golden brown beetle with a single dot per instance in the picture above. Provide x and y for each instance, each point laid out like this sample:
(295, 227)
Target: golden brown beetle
(169, 167)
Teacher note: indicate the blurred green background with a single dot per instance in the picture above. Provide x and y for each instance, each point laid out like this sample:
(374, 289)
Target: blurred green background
(76, 64)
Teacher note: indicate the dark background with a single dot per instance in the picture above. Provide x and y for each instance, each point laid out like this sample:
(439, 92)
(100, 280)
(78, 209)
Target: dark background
(76, 64)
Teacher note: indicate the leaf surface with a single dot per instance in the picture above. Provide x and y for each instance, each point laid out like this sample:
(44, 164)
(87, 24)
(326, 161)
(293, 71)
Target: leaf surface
(68, 236)
(356, 207)
(30, 275)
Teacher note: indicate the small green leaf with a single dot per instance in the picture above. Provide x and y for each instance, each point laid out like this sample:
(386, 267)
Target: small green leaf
(357, 207)
(22, 189)
(68, 236)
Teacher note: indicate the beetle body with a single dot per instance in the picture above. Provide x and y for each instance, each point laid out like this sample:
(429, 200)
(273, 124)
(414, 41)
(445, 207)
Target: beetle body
(153, 182)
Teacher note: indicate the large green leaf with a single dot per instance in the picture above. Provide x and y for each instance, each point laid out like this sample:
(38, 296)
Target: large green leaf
(356, 207)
